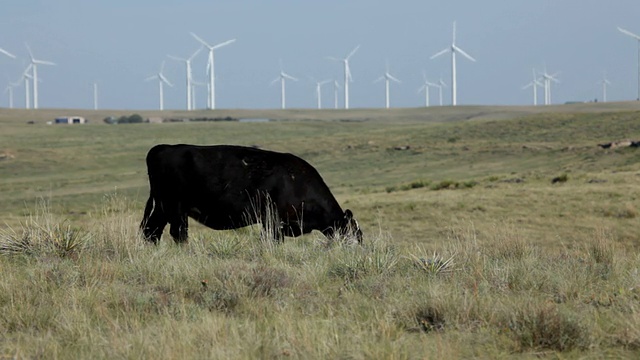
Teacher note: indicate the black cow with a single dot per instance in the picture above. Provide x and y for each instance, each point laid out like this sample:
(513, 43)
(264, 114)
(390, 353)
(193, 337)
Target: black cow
(228, 187)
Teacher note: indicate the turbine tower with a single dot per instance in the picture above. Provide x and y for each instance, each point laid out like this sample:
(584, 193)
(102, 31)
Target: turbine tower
(347, 74)
(187, 62)
(34, 68)
(319, 91)
(194, 85)
(210, 68)
(637, 38)
(453, 49)
(534, 84)
(282, 77)
(9, 90)
(161, 81)
(336, 87)
(95, 96)
(604, 82)
(425, 87)
(27, 88)
(387, 77)
(440, 85)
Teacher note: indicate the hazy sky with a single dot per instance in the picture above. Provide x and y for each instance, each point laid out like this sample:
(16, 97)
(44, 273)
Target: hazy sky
(119, 43)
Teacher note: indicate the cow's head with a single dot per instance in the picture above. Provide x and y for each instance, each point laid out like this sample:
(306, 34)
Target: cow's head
(350, 226)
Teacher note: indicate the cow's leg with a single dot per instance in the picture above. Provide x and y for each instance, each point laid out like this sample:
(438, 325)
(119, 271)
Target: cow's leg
(179, 228)
(153, 221)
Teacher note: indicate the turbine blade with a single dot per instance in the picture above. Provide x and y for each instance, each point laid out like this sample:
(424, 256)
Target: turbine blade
(199, 39)
(463, 53)
(164, 79)
(29, 51)
(454, 32)
(378, 79)
(43, 62)
(7, 53)
(176, 58)
(287, 76)
(352, 52)
(440, 53)
(194, 54)
(151, 78)
(223, 44)
(393, 78)
(627, 32)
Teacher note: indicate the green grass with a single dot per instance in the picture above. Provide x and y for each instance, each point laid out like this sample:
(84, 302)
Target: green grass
(471, 250)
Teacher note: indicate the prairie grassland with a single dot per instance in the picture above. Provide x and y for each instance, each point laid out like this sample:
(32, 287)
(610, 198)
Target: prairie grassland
(470, 249)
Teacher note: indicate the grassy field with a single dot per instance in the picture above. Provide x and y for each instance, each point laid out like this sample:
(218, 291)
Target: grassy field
(471, 250)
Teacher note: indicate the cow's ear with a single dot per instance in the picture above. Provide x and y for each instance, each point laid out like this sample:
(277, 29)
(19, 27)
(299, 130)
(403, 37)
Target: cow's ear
(348, 214)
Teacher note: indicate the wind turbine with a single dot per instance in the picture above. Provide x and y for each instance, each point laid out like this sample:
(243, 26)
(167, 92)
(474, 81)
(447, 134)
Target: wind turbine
(425, 87)
(282, 77)
(440, 85)
(210, 68)
(187, 62)
(319, 91)
(9, 89)
(161, 81)
(547, 79)
(95, 96)
(637, 37)
(387, 77)
(34, 68)
(3, 51)
(194, 85)
(453, 49)
(534, 84)
(347, 74)
(604, 82)
(27, 89)
(336, 87)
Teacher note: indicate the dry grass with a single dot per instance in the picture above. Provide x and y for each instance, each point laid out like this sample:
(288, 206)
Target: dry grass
(470, 249)
(232, 295)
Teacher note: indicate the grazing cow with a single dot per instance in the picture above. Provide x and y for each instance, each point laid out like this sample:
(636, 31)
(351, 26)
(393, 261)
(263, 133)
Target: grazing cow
(228, 187)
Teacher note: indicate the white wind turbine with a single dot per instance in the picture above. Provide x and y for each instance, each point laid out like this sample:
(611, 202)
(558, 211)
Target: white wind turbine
(34, 68)
(387, 77)
(604, 82)
(347, 74)
(336, 88)
(425, 87)
(534, 84)
(440, 85)
(194, 85)
(453, 49)
(637, 38)
(26, 77)
(187, 62)
(161, 81)
(211, 69)
(282, 77)
(547, 79)
(9, 90)
(319, 91)
(95, 96)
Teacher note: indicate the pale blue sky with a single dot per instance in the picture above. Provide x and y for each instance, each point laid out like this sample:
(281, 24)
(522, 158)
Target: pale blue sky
(119, 43)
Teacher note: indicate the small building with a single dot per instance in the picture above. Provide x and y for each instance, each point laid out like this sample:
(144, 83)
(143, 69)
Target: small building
(69, 120)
